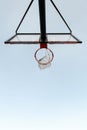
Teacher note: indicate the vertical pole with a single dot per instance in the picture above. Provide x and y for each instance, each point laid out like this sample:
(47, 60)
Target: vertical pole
(43, 37)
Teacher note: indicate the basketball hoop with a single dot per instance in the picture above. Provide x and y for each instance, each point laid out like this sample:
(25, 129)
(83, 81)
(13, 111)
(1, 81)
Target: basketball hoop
(44, 56)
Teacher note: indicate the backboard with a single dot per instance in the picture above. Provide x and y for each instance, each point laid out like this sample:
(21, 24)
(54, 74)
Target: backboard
(52, 38)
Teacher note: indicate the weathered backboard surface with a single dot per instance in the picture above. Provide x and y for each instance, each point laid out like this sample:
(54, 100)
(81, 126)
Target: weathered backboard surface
(34, 38)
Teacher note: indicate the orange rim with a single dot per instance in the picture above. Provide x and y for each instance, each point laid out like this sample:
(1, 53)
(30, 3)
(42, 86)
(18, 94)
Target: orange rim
(35, 55)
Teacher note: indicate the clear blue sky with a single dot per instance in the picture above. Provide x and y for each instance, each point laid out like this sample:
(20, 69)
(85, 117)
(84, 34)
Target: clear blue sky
(54, 98)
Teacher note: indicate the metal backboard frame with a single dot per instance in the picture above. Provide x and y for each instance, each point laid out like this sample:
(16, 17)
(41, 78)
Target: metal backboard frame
(52, 38)
(43, 37)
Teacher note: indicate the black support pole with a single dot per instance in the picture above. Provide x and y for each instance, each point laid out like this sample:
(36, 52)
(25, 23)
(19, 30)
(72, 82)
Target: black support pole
(43, 37)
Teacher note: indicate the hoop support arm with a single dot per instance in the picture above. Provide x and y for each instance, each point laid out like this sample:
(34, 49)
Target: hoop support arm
(24, 16)
(61, 16)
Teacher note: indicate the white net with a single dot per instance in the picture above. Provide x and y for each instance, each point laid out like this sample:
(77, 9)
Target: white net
(44, 62)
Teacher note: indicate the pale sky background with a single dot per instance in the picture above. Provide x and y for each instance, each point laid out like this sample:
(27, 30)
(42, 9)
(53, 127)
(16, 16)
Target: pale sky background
(50, 99)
